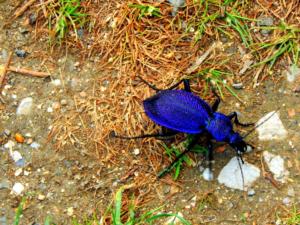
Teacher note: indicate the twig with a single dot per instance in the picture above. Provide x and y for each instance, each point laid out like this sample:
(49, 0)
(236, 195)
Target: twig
(201, 58)
(20, 11)
(28, 72)
(5, 69)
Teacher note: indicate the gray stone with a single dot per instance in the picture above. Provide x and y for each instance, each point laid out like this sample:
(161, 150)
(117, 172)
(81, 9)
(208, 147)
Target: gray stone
(25, 106)
(4, 184)
(231, 175)
(271, 127)
(265, 21)
(251, 192)
(276, 166)
(286, 201)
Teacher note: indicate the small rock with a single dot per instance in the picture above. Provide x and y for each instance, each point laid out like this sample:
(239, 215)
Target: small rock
(207, 174)
(35, 145)
(3, 220)
(292, 73)
(26, 173)
(231, 175)
(176, 4)
(174, 219)
(291, 192)
(265, 21)
(29, 141)
(18, 188)
(251, 192)
(9, 145)
(238, 86)
(64, 102)
(21, 53)
(166, 189)
(41, 197)
(70, 211)
(271, 127)
(286, 201)
(15, 155)
(136, 151)
(18, 172)
(4, 184)
(56, 82)
(32, 19)
(25, 106)
(276, 166)
(49, 109)
(7, 132)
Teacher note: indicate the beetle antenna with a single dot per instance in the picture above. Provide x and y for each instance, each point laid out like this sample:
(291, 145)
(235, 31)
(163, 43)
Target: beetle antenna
(240, 157)
(258, 125)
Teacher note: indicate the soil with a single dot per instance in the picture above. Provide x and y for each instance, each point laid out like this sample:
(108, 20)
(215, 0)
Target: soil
(74, 183)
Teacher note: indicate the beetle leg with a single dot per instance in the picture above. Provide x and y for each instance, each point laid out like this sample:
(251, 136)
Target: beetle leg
(184, 81)
(234, 116)
(217, 101)
(188, 149)
(148, 84)
(165, 135)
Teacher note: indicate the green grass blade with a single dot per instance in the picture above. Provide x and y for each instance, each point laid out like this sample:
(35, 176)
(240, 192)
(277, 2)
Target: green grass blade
(19, 211)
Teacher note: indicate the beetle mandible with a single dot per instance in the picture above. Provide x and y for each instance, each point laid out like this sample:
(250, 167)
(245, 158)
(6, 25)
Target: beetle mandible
(181, 111)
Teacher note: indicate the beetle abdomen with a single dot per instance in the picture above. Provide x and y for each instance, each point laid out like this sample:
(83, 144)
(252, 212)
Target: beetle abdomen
(178, 110)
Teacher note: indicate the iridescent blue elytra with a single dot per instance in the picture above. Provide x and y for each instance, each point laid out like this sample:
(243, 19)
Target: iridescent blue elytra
(185, 112)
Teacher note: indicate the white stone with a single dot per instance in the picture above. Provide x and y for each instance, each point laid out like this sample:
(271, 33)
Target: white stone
(292, 73)
(25, 106)
(18, 172)
(56, 82)
(271, 127)
(41, 197)
(18, 188)
(174, 219)
(207, 174)
(70, 211)
(136, 151)
(9, 145)
(15, 155)
(276, 166)
(231, 175)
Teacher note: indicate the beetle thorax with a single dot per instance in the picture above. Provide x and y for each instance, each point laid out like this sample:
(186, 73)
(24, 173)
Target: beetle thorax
(220, 127)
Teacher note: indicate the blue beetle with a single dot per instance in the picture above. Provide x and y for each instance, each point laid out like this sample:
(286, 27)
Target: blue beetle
(181, 111)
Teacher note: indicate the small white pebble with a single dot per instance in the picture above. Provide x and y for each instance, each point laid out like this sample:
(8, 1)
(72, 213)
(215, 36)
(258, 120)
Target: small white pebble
(35, 145)
(41, 197)
(16, 156)
(18, 188)
(26, 173)
(136, 151)
(9, 145)
(49, 109)
(56, 82)
(70, 211)
(286, 201)
(208, 174)
(18, 172)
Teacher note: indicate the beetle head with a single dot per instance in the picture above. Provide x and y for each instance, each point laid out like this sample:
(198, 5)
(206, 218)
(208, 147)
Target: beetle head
(237, 143)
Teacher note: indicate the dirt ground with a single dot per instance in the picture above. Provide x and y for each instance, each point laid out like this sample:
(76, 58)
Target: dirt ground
(77, 182)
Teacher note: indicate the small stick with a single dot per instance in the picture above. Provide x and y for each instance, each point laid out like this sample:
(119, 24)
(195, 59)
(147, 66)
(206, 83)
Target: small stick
(28, 72)
(5, 69)
(201, 58)
(20, 11)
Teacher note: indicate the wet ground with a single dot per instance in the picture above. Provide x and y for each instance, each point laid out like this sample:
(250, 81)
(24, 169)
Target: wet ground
(73, 183)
